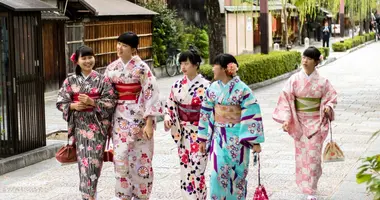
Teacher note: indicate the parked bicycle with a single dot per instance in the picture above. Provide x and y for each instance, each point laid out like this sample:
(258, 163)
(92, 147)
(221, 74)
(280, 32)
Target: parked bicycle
(173, 66)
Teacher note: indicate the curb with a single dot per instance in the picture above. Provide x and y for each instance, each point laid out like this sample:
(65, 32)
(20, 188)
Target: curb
(29, 158)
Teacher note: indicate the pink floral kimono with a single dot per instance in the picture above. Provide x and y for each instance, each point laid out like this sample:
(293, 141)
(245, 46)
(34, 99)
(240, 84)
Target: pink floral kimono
(302, 103)
(138, 99)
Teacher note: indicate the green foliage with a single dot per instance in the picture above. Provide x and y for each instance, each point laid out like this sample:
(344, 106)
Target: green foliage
(353, 42)
(2, 131)
(165, 30)
(369, 173)
(325, 52)
(254, 68)
(339, 47)
(197, 37)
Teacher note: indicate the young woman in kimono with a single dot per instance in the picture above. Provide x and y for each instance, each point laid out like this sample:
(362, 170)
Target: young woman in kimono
(87, 100)
(182, 116)
(305, 105)
(134, 120)
(230, 126)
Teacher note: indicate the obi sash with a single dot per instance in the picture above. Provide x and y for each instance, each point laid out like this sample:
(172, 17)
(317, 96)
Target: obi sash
(189, 113)
(307, 104)
(227, 114)
(92, 96)
(129, 91)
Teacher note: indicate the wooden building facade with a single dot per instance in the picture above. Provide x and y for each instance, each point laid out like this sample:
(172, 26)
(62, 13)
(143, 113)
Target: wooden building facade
(98, 24)
(22, 105)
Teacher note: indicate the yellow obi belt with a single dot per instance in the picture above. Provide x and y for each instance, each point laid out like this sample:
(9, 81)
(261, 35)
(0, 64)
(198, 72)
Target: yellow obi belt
(307, 104)
(227, 114)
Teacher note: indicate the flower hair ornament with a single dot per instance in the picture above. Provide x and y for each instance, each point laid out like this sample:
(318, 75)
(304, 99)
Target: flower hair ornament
(321, 58)
(72, 58)
(232, 69)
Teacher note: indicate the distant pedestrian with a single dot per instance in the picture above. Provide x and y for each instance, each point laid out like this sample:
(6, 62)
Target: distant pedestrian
(326, 33)
(87, 100)
(305, 106)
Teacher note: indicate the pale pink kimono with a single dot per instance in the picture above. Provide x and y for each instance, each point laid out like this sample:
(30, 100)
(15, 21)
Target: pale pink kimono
(309, 129)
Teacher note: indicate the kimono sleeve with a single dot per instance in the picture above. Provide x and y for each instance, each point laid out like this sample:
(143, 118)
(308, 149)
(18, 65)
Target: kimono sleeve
(205, 127)
(283, 110)
(329, 99)
(251, 126)
(65, 99)
(170, 108)
(150, 93)
(105, 105)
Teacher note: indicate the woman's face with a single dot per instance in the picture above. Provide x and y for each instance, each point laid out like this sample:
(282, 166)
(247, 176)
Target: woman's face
(125, 51)
(308, 63)
(219, 72)
(188, 68)
(86, 63)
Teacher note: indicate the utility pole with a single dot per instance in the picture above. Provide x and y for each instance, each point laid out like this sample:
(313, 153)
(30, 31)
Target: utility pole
(264, 27)
(341, 18)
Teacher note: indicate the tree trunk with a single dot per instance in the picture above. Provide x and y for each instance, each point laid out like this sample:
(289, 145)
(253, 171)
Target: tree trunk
(215, 29)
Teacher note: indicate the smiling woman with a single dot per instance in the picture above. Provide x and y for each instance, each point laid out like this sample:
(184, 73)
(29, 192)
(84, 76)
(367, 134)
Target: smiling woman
(87, 100)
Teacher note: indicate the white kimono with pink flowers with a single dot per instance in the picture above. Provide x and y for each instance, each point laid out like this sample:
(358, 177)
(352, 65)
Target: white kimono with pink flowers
(307, 125)
(132, 153)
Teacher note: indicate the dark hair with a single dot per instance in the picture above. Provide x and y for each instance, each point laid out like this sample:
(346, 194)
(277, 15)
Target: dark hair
(80, 52)
(224, 59)
(192, 55)
(129, 38)
(313, 53)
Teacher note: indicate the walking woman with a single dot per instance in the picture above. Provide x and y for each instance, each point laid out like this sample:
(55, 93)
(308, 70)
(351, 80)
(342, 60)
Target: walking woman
(134, 120)
(230, 126)
(182, 116)
(304, 107)
(87, 100)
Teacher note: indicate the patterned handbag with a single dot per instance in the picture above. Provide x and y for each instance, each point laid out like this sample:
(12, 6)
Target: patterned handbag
(332, 152)
(260, 193)
(108, 153)
(67, 154)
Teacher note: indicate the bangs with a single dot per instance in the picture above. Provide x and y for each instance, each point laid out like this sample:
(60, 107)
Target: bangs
(312, 53)
(86, 51)
(185, 56)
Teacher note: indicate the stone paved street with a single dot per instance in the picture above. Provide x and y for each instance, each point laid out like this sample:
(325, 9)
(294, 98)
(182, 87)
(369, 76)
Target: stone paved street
(355, 77)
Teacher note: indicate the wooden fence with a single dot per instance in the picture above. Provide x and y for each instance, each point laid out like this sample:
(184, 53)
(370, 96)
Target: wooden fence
(102, 37)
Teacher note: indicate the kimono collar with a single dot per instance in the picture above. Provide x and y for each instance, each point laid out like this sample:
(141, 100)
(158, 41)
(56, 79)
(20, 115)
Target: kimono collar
(89, 75)
(194, 79)
(314, 73)
(132, 62)
(230, 83)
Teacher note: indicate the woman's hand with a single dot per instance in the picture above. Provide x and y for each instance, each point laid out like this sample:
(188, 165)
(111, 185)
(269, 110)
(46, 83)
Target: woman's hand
(86, 99)
(256, 148)
(168, 125)
(79, 106)
(327, 111)
(285, 126)
(202, 147)
(148, 129)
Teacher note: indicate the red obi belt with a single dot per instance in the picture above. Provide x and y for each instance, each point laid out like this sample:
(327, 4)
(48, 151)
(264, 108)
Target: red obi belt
(92, 96)
(129, 91)
(189, 113)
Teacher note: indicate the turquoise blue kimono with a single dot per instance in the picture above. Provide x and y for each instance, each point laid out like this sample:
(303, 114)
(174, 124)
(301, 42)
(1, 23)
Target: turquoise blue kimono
(229, 145)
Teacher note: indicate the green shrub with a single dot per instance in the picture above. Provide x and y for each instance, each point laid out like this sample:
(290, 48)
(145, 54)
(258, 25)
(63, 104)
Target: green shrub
(325, 52)
(165, 31)
(197, 37)
(353, 42)
(372, 35)
(254, 68)
(339, 47)
(369, 172)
